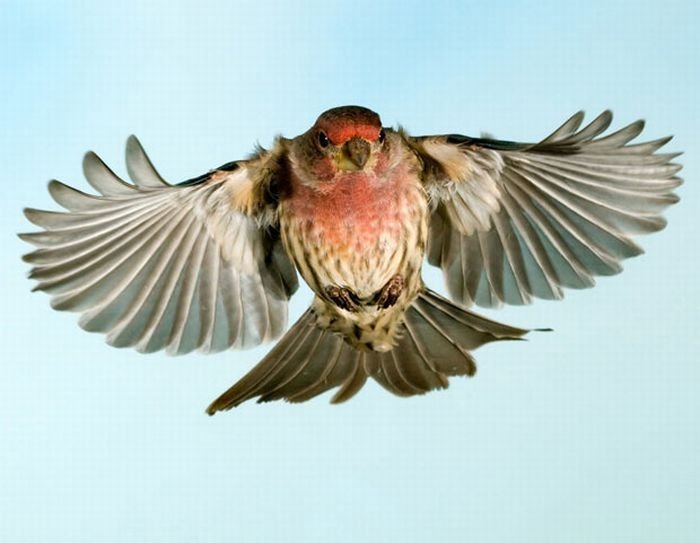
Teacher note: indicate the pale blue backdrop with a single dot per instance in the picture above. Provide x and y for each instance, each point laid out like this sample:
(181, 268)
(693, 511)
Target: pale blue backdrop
(590, 433)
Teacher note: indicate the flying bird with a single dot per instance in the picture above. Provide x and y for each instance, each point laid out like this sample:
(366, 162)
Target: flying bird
(355, 208)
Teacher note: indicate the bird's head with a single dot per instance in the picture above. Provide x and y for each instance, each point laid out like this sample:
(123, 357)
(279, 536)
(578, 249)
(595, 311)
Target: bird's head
(343, 139)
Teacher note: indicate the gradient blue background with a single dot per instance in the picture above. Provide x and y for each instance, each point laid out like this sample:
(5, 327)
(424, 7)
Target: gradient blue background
(590, 433)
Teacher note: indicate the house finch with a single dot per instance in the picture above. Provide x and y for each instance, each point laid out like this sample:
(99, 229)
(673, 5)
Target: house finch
(210, 263)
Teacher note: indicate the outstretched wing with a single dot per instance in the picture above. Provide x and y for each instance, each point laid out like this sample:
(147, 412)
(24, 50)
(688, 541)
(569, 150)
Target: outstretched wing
(515, 220)
(197, 265)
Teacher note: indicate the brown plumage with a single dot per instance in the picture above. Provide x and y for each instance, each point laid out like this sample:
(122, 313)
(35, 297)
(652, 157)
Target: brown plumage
(355, 208)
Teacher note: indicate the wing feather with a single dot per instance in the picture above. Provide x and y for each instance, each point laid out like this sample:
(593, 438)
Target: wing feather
(103, 179)
(139, 166)
(517, 220)
(159, 266)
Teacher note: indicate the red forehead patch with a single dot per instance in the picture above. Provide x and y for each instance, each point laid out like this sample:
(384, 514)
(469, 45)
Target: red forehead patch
(342, 123)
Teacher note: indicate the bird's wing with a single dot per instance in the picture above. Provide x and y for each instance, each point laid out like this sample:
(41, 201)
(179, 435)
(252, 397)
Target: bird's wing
(514, 220)
(197, 265)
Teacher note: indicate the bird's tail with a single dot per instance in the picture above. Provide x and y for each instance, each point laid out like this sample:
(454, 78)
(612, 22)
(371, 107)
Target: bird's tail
(434, 343)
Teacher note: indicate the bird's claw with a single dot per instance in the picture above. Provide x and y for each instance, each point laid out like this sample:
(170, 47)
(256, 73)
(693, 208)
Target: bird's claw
(389, 294)
(343, 297)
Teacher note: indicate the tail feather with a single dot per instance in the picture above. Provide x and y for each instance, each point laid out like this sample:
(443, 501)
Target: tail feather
(351, 385)
(322, 372)
(434, 343)
(415, 364)
(387, 374)
(447, 356)
(308, 367)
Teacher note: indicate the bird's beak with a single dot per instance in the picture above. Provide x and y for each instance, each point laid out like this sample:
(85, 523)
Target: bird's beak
(355, 154)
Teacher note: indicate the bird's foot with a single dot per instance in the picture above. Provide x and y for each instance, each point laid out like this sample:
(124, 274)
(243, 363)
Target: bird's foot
(389, 294)
(343, 297)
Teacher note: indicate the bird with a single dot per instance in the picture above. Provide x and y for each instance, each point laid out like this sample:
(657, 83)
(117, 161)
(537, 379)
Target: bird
(355, 208)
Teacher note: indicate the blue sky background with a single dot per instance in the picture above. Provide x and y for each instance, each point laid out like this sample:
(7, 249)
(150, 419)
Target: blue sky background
(589, 433)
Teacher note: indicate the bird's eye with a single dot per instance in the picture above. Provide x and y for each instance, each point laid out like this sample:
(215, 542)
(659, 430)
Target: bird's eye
(323, 140)
(382, 136)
